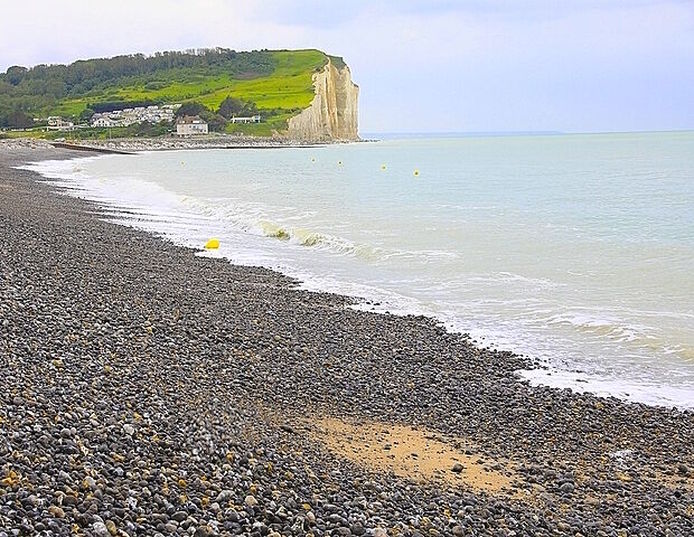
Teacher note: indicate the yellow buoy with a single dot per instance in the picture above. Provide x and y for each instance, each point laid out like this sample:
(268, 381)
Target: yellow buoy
(416, 173)
(212, 244)
(383, 167)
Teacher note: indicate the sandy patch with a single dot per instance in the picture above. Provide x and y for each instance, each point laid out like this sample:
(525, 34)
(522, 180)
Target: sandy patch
(411, 453)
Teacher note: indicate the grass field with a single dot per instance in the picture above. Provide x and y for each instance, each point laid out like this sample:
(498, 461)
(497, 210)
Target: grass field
(280, 95)
(29, 133)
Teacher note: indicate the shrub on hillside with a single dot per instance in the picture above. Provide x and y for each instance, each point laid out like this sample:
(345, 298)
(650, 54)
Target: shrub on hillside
(231, 107)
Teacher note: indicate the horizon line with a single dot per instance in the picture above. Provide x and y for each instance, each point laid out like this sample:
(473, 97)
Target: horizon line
(521, 132)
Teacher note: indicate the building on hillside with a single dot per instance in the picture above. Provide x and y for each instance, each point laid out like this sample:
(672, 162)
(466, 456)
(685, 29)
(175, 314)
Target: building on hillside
(57, 123)
(139, 114)
(189, 125)
(250, 119)
(104, 122)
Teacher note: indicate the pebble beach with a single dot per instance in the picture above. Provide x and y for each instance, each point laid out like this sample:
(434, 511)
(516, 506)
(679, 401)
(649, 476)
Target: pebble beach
(151, 391)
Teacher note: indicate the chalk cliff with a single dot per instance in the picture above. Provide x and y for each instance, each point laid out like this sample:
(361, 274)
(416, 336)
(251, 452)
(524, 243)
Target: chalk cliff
(333, 113)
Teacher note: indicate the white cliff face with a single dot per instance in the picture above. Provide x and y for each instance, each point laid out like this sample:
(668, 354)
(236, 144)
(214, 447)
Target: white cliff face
(333, 113)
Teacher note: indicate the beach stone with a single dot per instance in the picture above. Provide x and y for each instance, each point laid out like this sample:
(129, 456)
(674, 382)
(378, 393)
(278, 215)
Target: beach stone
(457, 468)
(250, 501)
(179, 516)
(56, 511)
(683, 469)
(224, 496)
(111, 527)
(100, 530)
(356, 529)
(567, 487)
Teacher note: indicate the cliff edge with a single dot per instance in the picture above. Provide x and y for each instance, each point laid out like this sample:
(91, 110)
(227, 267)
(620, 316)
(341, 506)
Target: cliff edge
(333, 112)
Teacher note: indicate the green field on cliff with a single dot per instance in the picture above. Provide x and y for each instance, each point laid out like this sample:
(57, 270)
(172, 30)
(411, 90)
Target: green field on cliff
(278, 82)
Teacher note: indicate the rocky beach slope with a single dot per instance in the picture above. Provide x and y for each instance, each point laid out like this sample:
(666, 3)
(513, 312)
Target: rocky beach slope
(151, 391)
(162, 143)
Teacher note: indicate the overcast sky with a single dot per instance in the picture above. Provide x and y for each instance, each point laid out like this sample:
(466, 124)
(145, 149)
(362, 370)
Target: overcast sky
(436, 65)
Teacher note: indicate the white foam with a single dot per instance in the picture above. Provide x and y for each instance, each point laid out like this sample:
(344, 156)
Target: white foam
(656, 394)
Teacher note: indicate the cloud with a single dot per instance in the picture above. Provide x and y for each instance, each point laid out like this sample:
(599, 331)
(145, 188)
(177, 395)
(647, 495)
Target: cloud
(71, 29)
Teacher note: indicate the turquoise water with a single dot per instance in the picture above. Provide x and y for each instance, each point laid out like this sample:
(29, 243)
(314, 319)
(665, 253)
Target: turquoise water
(577, 249)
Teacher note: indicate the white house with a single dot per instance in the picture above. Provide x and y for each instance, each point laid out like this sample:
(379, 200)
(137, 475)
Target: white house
(57, 123)
(191, 125)
(250, 119)
(104, 122)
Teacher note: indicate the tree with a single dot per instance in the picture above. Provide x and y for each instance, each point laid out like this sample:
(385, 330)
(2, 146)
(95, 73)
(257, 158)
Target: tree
(19, 120)
(191, 108)
(215, 122)
(86, 115)
(232, 106)
(15, 74)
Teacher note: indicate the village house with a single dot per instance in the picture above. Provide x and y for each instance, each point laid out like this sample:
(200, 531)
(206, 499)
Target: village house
(250, 119)
(190, 125)
(103, 122)
(57, 123)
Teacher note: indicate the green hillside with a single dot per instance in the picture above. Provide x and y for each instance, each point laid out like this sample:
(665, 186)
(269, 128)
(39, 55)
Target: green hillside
(277, 83)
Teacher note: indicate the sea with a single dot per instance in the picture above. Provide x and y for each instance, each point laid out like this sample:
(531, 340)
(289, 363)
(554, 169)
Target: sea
(575, 250)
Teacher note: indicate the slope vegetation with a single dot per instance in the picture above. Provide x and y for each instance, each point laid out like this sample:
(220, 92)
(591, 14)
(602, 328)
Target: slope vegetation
(279, 83)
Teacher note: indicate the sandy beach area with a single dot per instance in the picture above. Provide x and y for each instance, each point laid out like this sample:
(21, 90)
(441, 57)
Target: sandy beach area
(151, 391)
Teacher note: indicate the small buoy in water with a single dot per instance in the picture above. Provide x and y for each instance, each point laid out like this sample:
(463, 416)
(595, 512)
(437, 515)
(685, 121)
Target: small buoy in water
(313, 159)
(383, 167)
(212, 244)
(415, 173)
(339, 163)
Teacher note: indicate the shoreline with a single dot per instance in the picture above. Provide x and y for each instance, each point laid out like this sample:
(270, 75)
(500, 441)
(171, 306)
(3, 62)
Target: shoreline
(134, 145)
(255, 362)
(543, 369)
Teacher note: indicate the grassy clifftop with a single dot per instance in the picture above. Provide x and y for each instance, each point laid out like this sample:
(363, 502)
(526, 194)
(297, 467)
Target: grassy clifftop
(278, 82)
